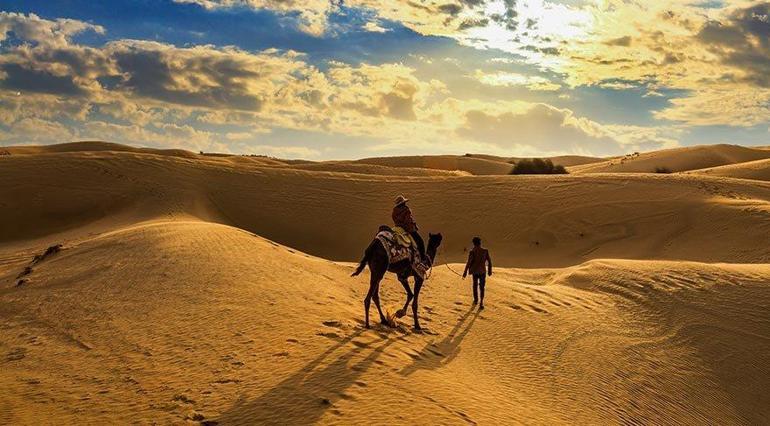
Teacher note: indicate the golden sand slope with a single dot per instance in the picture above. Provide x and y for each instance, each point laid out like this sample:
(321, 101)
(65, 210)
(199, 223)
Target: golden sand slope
(534, 221)
(373, 169)
(160, 309)
(166, 321)
(95, 146)
(676, 160)
(757, 170)
(472, 165)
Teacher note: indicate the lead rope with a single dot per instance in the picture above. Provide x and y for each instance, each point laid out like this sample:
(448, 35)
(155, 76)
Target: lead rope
(430, 269)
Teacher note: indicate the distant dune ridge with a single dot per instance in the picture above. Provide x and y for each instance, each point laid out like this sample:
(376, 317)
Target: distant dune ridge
(676, 160)
(201, 288)
(757, 170)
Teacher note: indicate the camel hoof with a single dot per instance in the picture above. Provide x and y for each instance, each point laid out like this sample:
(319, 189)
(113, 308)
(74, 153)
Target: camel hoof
(367, 326)
(417, 327)
(400, 313)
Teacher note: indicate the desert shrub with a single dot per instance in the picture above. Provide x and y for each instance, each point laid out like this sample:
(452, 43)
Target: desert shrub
(537, 166)
(661, 169)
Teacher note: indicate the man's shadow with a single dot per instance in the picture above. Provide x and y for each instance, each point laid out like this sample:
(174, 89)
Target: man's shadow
(303, 397)
(436, 355)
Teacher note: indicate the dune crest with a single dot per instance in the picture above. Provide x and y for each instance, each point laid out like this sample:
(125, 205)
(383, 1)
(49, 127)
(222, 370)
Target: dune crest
(756, 170)
(675, 160)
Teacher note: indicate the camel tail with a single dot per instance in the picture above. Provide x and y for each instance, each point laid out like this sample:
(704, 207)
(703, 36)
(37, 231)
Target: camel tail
(362, 265)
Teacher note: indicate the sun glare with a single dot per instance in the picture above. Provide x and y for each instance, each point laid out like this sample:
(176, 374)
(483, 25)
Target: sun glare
(540, 27)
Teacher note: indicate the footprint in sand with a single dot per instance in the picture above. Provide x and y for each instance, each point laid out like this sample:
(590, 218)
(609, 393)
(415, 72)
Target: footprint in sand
(16, 354)
(180, 397)
(197, 417)
(538, 310)
(330, 335)
(334, 323)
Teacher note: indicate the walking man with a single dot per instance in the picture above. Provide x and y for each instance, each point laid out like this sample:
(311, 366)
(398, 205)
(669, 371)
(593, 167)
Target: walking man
(478, 259)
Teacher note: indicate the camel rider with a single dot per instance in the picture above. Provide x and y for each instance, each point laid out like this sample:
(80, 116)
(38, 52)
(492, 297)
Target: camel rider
(403, 219)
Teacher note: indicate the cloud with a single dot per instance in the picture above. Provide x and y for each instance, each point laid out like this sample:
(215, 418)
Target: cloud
(742, 41)
(501, 78)
(311, 15)
(624, 41)
(374, 27)
(141, 88)
(202, 75)
(204, 97)
(544, 128)
(32, 28)
(17, 78)
(739, 107)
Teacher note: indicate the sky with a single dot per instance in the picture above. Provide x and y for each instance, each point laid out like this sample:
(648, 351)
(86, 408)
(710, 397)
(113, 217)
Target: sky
(341, 79)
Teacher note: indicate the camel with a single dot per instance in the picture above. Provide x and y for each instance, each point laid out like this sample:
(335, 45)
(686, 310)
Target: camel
(377, 258)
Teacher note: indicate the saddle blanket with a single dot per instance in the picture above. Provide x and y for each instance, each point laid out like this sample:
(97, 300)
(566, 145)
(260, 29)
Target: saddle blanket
(396, 252)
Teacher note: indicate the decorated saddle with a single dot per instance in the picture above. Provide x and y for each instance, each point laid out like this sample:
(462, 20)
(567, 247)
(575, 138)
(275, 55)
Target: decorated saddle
(400, 246)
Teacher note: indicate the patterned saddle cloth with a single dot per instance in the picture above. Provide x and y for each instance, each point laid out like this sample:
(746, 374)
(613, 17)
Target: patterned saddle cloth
(399, 246)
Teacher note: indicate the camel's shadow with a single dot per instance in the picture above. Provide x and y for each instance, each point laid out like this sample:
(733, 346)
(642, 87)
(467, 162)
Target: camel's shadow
(436, 355)
(303, 397)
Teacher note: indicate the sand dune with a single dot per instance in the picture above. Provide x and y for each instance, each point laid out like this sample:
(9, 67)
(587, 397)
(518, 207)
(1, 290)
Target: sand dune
(676, 160)
(475, 164)
(529, 221)
(757, 170)
(183, 292)
(372, 169)
(96, 146)
(472, 165)
(242, 330)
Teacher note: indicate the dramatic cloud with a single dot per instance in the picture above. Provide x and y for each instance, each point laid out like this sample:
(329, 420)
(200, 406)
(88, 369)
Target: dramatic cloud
(742, 41)
(671, 67)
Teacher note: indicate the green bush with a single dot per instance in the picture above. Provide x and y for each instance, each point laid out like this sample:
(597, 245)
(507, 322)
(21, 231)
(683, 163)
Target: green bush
(537, 166)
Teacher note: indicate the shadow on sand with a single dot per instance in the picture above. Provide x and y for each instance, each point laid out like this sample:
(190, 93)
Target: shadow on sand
(303, 397)
(436, 355)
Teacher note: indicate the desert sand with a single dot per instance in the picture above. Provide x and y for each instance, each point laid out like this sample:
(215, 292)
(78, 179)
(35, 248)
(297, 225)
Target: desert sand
(676, 160)
(212, 288)
(758, 170)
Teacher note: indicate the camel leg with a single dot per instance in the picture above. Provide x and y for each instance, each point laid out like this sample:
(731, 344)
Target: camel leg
(367, 302)
(417, 287)
(376, 297)
(374, 288)
(405, 282)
